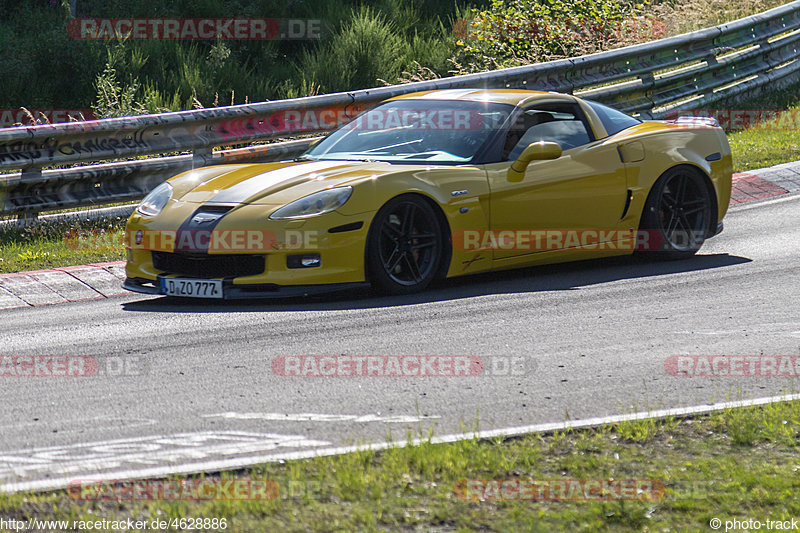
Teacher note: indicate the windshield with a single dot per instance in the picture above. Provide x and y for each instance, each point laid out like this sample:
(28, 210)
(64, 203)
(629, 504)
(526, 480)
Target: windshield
(437, 131)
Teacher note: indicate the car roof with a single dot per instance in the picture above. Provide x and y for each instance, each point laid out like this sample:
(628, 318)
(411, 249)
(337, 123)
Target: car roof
(504, 96)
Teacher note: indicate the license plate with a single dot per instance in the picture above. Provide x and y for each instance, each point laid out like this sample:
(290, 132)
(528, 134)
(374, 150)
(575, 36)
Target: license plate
(192, 288)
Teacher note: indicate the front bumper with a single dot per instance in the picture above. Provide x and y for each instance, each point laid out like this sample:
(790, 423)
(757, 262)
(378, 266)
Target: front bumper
(243, 292)
(336, 240)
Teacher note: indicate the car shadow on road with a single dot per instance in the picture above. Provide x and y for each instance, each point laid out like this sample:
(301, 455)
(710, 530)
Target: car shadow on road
(565, 276)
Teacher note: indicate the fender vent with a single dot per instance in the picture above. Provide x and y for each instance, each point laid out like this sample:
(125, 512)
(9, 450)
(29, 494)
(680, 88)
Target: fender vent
(628, 201)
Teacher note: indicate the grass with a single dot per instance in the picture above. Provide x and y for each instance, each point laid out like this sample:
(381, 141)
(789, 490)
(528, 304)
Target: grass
(738, 463)
(770, 142)
(753, 149)
(50, 245)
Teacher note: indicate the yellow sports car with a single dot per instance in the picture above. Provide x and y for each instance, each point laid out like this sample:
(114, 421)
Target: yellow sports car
(432, 185)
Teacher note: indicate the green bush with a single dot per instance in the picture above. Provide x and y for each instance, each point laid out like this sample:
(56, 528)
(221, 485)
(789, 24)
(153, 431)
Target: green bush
(44, 67)
(364, 50)
(364, 43)
(513, 32)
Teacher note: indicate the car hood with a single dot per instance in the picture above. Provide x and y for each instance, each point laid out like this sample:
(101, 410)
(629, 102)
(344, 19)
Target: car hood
(269, 183)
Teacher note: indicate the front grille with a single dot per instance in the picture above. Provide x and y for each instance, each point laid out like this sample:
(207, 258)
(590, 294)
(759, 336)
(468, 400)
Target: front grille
(209, 266)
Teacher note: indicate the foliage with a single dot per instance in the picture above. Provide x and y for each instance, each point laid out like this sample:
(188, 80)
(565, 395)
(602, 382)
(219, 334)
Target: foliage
(114, 99)
(45, 67)
(367, 48)
(511, 32)
(362, 44)
(60, 242)
(681, 16)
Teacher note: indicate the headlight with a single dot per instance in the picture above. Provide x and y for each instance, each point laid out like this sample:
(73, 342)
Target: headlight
(154, 202)
(315, 204)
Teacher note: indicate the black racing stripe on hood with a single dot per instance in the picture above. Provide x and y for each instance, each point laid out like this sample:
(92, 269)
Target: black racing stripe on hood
(194, 235)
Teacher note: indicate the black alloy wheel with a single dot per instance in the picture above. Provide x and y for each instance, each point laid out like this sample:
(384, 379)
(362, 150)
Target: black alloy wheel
(404, 246)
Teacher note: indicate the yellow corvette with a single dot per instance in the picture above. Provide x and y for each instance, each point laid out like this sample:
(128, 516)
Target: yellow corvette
(431, 185)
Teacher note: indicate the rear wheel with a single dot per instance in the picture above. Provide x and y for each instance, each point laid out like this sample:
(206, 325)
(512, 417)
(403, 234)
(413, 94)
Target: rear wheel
(677, 215)
(404, 246)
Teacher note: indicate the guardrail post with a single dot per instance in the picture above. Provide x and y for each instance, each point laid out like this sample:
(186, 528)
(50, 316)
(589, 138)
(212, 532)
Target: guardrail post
(648, 80)
(200, 157)
(29, 216)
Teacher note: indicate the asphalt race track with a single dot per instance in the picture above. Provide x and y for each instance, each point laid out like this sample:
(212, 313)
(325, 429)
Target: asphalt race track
(192, 383)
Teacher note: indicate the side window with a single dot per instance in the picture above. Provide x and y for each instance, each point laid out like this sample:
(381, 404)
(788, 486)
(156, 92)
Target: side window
(560, 123)
(614, 121)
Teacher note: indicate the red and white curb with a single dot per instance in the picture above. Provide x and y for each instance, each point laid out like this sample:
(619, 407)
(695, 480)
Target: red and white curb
(748, 187)
(63, 284)
(765, 182)
(103, 280)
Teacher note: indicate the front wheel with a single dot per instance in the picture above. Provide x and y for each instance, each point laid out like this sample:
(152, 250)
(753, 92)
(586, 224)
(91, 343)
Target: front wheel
(404, 246)
(677, 214)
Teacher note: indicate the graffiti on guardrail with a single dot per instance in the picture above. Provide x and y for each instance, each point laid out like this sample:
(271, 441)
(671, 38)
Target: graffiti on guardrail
(51, 147)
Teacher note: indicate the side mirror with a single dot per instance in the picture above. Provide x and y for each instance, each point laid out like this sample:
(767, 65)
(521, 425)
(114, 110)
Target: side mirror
(534, 152)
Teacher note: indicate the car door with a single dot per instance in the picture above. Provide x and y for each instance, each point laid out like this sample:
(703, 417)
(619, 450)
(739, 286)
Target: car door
(584, 189)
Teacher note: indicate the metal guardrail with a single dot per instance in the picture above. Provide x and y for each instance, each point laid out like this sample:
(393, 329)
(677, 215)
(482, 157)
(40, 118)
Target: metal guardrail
(690, 70)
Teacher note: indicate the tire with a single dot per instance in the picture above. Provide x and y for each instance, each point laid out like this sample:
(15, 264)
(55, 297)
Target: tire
(677, 215)
(404, 246)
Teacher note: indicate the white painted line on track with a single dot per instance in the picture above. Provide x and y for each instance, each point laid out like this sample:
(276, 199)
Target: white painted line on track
(114, 460)
(319, 417)
(240, 462)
